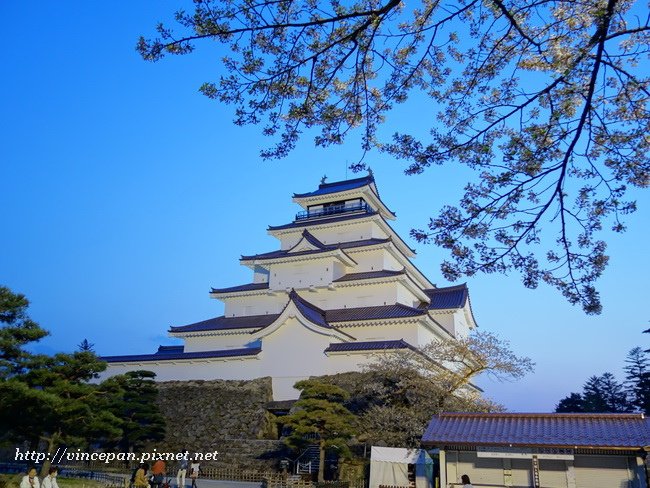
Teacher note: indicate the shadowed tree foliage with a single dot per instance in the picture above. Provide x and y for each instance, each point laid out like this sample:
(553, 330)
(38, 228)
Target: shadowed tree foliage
(17, 330)
(600, 394)
(574, 403)
(133, 398)
(546, 101)
(605, 394)
(86, 346)
(637, 379)
(319, 416)
(47, 398)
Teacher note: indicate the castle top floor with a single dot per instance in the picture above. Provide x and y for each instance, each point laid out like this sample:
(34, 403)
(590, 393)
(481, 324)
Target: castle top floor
(342, 198)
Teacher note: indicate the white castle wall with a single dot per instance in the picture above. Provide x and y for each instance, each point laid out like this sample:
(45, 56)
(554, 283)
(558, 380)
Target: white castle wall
(314, 272)
(406, 331)
(254, 305)
(334, 233)
(217, 342)
(208, 369)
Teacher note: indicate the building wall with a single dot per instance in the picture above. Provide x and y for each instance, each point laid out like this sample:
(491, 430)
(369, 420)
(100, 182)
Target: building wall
(303, 274)
(361, 294)
(406, 331)
(208, 369)
(585, 471)
(334, 233)
(453, 322)
(291, 353)
(254, 305)
(217, 342)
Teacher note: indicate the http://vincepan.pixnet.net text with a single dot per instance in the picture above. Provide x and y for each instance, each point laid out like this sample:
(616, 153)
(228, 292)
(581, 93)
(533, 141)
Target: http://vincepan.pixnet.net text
(65, 455)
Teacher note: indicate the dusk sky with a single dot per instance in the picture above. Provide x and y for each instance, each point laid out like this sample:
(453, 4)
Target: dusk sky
(126, 195)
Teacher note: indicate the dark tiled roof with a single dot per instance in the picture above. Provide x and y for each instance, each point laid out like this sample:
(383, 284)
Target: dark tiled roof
(246, 287)
(169, 349)
(331, 247)
(305, 223)
(319, 317)
(313, 313)
(311, 239)
(337, 186)
(526, 429)
(225, 353)
(369, 346)
(309, 311)
(372, 313)
(448, 297)
(225, 323)
(369, 275)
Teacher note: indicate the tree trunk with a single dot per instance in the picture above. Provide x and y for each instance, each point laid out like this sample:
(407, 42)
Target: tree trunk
(51, 449)
(321, 462)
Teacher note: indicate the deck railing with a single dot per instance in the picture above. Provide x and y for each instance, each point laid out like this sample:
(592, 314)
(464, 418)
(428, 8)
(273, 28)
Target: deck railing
(333, 210)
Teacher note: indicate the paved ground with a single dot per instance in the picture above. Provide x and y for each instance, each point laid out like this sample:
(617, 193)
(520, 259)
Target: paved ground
(203, 483)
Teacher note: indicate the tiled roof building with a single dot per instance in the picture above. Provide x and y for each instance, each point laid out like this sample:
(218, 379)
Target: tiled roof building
(560, 450)
(340, 289)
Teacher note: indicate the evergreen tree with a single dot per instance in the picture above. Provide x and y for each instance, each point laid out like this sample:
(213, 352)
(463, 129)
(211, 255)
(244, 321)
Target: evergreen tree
(594, 395)
(604, 394)
(637, 379)
(17, 330)
(320, 412)
(574, 403)
(76, 412)
(86, 346)
(47, 398)
(134, 400)
(614, 394)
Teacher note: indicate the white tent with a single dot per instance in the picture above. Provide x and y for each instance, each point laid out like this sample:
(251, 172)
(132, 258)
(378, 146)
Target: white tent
(389, 466)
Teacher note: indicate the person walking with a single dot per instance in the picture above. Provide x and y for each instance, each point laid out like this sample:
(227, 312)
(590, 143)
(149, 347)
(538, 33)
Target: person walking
(195, 470)
(182, 471)
(50, 480)
(158, 472)
(140, 478)
(30, 480)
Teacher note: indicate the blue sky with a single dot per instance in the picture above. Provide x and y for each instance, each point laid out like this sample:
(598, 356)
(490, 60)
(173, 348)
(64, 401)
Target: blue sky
(127, 195)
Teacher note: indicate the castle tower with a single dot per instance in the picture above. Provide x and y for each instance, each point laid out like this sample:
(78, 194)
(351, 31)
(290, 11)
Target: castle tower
(340, 288)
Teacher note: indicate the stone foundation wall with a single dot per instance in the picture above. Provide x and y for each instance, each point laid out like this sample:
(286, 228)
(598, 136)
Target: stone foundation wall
(226, 416)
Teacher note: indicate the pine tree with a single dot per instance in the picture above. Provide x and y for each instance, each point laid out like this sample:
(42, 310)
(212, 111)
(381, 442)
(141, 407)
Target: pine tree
(574, 403)
(593, 395)
(134, 400)
(614, 393)
(604, 394)
(85, 346)
(637, 379)
(17, 331)
(47, 398)
(320, 412)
